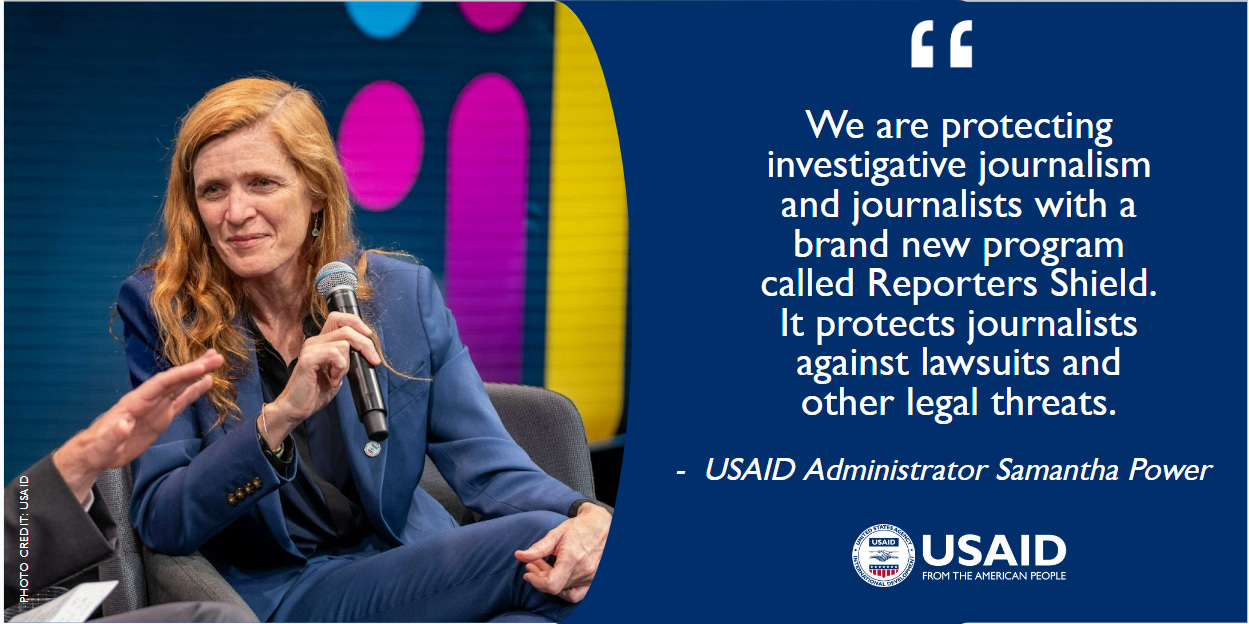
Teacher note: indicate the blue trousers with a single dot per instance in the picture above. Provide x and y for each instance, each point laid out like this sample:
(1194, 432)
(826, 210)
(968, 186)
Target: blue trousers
(468, 574)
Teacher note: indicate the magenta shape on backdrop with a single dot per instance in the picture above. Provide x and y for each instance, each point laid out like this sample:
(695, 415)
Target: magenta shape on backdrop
(381, 141)
(487, 193)
(491, 17)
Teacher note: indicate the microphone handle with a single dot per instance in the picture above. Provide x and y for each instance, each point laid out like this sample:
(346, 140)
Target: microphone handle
(367, 392)
(362, 377)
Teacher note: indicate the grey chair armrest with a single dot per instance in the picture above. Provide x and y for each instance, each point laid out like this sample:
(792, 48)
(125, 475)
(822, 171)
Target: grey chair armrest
(127, 567)
(544, 423)
(549, 427)
(147, 578)
(186, 578)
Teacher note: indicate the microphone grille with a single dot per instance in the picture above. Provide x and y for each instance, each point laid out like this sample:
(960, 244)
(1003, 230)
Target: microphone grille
(335, 275)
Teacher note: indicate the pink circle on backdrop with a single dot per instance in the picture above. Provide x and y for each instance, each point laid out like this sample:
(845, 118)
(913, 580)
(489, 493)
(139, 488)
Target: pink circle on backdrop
(491, 17)
(487, 223)
(381, 142)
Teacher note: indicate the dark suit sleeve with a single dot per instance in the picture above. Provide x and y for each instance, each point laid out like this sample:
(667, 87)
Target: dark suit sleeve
(47, 535)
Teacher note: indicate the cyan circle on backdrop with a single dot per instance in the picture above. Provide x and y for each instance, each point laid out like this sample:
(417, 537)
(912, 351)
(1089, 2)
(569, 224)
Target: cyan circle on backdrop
(382, 20)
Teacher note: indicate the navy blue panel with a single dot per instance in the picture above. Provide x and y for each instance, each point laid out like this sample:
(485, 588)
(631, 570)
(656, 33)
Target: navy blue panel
(702, 91)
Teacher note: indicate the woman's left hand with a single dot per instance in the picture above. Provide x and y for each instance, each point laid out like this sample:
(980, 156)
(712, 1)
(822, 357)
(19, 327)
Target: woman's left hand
(577, 544)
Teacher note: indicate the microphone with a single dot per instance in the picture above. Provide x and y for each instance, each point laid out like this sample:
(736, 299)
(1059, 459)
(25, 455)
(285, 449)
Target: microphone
(337, 283)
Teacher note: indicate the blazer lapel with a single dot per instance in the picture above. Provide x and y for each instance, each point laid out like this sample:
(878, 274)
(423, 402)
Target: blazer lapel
(369, 471)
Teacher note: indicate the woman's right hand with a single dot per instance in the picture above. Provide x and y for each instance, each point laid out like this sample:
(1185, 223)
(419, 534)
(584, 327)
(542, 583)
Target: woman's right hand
(319, 372)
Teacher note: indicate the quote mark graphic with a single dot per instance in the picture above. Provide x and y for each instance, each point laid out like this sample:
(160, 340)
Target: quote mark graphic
(921, 55)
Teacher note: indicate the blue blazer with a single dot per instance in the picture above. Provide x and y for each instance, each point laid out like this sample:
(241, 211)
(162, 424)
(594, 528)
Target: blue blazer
(211, 489)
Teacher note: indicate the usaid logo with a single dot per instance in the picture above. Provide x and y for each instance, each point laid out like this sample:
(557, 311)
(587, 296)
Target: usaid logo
(883, 555)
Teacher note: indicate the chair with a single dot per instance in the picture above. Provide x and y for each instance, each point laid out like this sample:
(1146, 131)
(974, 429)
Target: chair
(544, 423)
(127, 567)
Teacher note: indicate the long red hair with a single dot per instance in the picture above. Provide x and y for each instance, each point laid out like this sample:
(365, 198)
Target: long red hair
(197, 299)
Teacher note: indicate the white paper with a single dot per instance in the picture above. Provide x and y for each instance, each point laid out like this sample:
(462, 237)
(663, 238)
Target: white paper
(75, 606)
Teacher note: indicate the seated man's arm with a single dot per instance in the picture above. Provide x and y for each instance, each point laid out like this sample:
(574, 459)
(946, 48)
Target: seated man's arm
(47, 535)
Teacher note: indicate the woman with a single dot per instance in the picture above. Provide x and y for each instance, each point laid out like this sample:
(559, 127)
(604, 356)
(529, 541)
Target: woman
(269, 475)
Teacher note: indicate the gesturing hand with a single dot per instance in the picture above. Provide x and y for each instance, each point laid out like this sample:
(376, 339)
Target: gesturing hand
(119, 435)
(323, 362)
(577, 544)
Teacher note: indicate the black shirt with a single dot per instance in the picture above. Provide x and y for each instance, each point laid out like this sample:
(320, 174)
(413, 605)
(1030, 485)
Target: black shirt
(321, 503)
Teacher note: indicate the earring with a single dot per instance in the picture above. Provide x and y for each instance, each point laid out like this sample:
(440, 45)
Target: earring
(316, 226)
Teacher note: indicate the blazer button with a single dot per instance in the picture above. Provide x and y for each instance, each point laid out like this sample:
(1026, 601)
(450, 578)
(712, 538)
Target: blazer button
(230, 498)
(240, 494)
(249, 488)
(256, 482)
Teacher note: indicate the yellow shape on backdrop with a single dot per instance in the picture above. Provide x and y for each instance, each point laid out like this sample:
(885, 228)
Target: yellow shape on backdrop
(589, 237)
